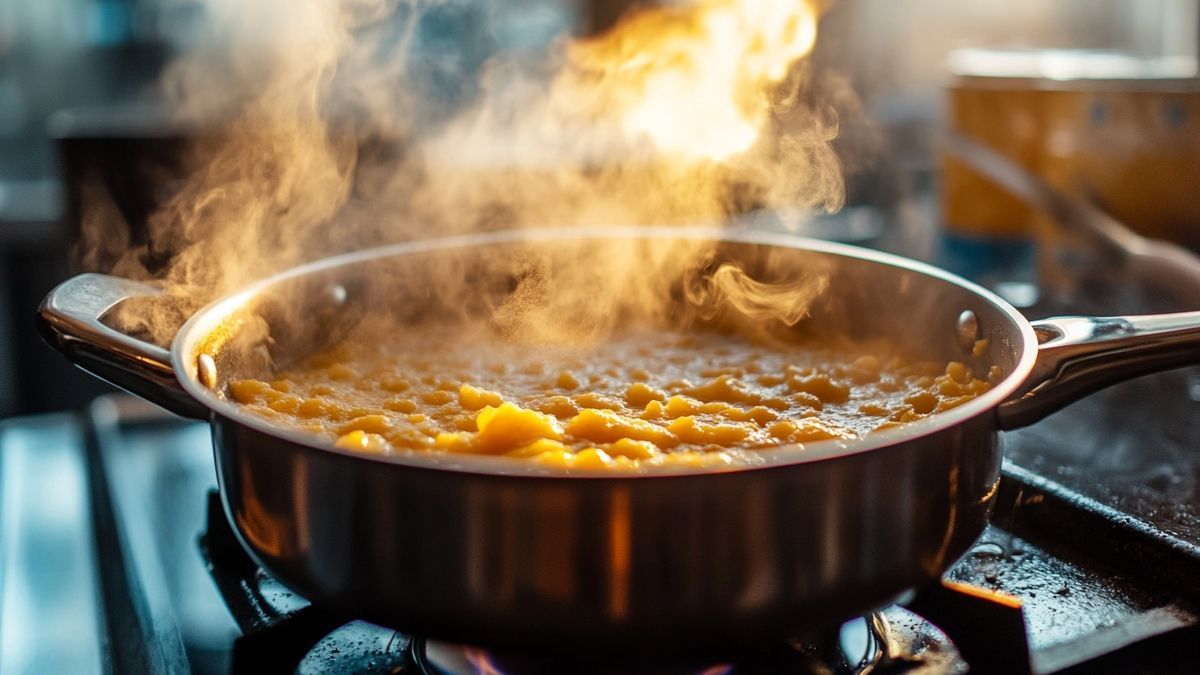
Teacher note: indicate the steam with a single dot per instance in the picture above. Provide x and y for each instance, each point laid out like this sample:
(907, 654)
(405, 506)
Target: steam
(331, 138)
(729, 288)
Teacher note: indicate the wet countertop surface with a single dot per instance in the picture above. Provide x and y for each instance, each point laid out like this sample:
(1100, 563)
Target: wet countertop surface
(1134, 447)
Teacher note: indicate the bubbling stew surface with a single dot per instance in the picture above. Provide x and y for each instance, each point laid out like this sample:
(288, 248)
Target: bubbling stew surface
(641, 399)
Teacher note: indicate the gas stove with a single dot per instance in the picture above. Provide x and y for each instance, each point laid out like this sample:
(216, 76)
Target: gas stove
(117, 558)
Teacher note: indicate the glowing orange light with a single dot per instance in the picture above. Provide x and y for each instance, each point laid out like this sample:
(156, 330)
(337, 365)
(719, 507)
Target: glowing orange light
(693, 78)
(482, 661)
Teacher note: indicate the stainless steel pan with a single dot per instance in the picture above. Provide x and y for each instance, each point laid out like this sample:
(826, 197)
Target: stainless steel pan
(492, 551)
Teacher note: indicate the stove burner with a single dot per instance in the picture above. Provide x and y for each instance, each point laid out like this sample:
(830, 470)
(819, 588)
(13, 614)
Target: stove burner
(859, 650)
(858, 647)
(891, 641)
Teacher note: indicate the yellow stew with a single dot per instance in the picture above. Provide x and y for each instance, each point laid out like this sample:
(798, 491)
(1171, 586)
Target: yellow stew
(639, 400)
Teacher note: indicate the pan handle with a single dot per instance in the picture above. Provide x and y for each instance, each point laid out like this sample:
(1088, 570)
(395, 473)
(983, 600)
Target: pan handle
(70, 320)
(1079, 355)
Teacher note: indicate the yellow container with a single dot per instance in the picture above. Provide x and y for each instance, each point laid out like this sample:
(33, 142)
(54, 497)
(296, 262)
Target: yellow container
(1122, 131)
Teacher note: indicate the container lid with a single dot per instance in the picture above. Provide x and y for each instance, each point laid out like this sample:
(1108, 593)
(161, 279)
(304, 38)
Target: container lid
(1074, 68)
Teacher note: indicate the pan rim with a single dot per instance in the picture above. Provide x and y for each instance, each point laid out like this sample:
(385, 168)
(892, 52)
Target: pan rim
(203, 322)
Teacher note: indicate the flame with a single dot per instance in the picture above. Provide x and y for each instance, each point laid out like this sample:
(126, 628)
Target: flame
(481, 661)
(693, 78)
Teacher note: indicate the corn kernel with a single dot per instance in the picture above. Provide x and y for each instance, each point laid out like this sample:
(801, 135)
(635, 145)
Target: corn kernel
(597, 401)
(401, 405)
(654, 410)
(633, 449)
(822, 387)
(375, 424)
(474, 398)
(437, 397)
(592, 458)
(559, 406)
(556, 458)
(566, 380)
(639, 394)
(340, 371)
(312, 407)
(678, 406)
(688, 430)
(608, 426)
(362, 441)
(538, 447)
(247, 391)
(922, 402)
(395, 384)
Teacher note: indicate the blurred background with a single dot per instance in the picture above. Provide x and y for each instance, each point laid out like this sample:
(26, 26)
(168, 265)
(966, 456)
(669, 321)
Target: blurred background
(80, 98)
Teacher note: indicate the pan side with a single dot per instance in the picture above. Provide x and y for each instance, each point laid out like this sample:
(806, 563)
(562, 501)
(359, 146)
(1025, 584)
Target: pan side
(666, 564)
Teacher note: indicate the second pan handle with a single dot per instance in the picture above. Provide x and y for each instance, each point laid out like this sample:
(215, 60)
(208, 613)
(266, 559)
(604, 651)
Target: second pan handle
(1078, 355)
(70, 320)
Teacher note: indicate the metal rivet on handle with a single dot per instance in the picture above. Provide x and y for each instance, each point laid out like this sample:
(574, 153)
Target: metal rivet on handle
(336, 294)
(206, 368)
(968, 330)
